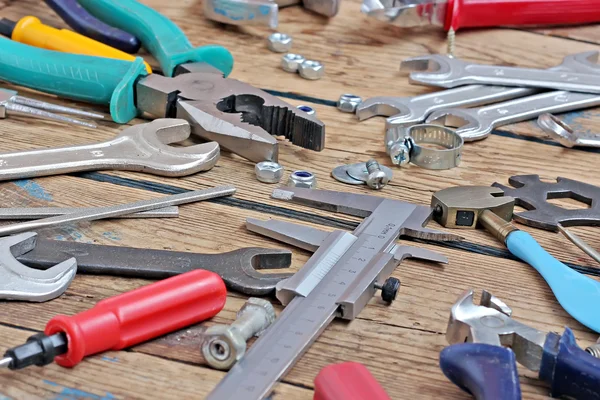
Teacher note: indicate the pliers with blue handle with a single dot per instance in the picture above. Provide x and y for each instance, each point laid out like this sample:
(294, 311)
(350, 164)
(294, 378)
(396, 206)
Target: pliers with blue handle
(487, 344)
(86, 24)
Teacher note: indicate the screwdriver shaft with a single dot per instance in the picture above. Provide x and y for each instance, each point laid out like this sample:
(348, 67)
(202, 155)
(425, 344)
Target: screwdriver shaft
(29, 111)
(42, 105)
(5, 362)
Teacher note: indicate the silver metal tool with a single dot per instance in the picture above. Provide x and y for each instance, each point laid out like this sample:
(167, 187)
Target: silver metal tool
(96, 213)
(357, 173)
(240, 117)
(26, 213)
(140, 147)
(338, 280)
(414, 146)
(11, 102)
(532, 194)
(477, 123)
(19, 282)
(242, 12)
(238, 268)
(407, 111)
(564, 134)
(224, 345)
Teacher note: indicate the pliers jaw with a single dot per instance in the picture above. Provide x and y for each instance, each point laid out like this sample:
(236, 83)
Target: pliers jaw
(240, 117)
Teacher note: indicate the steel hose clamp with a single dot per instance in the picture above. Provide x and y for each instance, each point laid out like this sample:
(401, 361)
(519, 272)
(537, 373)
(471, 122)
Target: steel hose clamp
(409, 147)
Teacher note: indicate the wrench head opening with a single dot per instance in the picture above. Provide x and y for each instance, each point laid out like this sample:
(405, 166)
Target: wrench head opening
(434, 69)
(382, 106)
(557, 129)
(586, 62)
(245, 278)
(20, 282)
(463, 120)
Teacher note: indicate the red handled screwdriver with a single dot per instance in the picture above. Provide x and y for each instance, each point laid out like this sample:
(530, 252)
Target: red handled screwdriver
(348, 381)
(123, 321)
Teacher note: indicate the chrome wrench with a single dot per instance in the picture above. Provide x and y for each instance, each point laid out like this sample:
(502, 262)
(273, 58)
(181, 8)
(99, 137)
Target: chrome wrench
(444, 71)
(564, 134)
(140, 147)
(477, 123)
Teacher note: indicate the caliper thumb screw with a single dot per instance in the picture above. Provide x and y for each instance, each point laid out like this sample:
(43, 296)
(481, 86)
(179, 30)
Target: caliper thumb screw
(389, 289)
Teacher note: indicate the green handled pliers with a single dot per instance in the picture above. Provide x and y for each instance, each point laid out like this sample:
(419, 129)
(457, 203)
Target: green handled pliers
(109, 81)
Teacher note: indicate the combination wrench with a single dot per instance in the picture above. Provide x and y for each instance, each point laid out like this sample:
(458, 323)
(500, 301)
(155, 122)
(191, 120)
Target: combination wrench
(406, 111)
(142, 147)
(238, 268)
(444, 71)
(477, 123)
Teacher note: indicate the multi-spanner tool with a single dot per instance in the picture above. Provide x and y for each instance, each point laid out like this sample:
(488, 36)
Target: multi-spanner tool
(478, 123)
(444, 71)
(238, 268)
(563, 133)
(486, 344)
(339, 279)
(140, 147)
(19, 282)
(406, 111)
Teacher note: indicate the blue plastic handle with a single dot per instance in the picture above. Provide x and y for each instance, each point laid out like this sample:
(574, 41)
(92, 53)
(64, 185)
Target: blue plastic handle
(91, 79)
(487, 372)
(578, 294)
(570, 371)
(83, 22)
(159, 35)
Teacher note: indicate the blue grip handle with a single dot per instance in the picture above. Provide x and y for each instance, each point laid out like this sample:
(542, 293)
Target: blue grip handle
(159, 35)
(570, 371)
(83, 22)
(487, 372)
(91, 79)
(578, 294)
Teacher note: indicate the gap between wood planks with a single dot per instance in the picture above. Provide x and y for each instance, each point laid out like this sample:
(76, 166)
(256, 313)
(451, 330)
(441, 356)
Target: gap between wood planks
(308, 217)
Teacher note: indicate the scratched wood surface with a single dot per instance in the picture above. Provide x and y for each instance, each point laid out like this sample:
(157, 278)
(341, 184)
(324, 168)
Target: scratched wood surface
(399, 343)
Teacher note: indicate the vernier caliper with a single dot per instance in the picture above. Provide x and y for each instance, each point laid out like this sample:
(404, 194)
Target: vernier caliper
(337, 281)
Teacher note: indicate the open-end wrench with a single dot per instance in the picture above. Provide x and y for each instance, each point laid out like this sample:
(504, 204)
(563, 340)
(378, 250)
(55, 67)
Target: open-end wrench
(237, 268)
(477, 123)
(404, 111)
(444, 71)
(19, 282)
(138, 148)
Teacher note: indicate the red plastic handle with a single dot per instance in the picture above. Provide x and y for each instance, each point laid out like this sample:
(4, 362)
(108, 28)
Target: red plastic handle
(140, 315)
(347, 381)
(481, 13)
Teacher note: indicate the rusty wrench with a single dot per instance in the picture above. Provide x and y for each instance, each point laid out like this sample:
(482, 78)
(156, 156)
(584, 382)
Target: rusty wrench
(19, 282)
(237, 268)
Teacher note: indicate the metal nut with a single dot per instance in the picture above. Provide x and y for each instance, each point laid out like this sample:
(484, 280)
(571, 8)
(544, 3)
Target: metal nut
(311, 69)
(302, 179)
(268, 172)
(348, 103)
(307, 109)
(290, 62)
(279, 42)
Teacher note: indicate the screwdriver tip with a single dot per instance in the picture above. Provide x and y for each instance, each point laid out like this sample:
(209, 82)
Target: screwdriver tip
(5, 362)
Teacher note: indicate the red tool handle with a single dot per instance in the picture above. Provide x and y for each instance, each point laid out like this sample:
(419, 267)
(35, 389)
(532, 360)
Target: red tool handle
(482, 13)
(347, 381)
(140, 315)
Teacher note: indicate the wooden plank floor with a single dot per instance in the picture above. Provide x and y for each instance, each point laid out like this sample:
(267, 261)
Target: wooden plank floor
(400, 343)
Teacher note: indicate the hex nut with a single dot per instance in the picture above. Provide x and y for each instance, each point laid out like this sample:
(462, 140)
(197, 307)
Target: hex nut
(279, 42)
(302, 179)
(311, 69)
(290, 62)
(268, 172)
(348, 103)
(223, 346)
(307, 109)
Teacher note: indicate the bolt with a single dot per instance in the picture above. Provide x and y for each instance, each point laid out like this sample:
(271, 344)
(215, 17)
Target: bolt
(224, 345)
(399, 153)
(377, 178)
